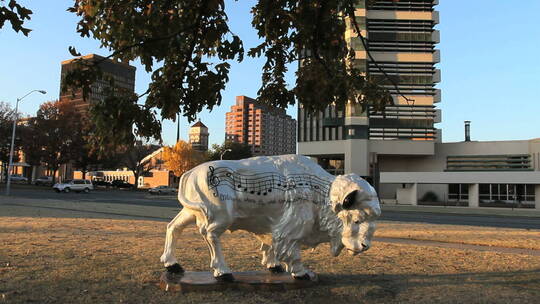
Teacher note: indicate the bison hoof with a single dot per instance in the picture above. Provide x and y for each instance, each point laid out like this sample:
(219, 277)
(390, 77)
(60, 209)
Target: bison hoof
(175, 268)
(305, 277)
(276, 269)
(226, 277)
(310, 276)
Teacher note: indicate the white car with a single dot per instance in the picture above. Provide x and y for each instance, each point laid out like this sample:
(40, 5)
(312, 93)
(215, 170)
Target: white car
(18, 178)
(77, 185)
(43, 180)
(162, 190)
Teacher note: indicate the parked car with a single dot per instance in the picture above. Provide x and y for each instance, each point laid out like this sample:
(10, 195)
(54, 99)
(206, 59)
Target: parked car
(120, 184)
(17, 178)
(43, 180)
(162, 190)
(77, 185)
(101, 183)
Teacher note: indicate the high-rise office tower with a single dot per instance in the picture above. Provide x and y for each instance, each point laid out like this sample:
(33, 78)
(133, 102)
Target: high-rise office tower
(268, 131)
(401, 37)
(122, 73)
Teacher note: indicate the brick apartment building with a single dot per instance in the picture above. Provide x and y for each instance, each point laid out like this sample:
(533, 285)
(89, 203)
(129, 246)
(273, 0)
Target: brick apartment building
(124, 78)
(122, 73)
(268, 131)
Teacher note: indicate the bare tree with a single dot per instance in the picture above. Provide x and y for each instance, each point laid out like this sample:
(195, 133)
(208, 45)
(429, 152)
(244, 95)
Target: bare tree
(59, 122)
(6, 123)
(137, 159)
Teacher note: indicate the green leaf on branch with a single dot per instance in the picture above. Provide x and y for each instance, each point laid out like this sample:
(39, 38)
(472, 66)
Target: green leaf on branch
(16, 15)
(188, 47)
(73, 51)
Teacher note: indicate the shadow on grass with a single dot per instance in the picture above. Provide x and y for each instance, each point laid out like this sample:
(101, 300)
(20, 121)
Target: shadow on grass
(390, 287)
(466, 287)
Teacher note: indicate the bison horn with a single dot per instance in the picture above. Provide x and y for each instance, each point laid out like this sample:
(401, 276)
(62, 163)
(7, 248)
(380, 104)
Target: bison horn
(349, 199)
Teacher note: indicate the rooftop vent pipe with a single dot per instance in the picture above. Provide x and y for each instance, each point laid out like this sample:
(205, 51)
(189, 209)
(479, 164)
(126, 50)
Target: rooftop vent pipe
(467, 130)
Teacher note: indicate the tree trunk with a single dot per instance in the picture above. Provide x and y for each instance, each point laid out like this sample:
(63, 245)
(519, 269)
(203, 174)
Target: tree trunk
(136, 184)
(3, 178)
(54, 175)
(34, 173)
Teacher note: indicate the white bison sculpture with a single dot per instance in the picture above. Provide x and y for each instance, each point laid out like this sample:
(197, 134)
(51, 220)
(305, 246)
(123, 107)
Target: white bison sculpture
(288, 202)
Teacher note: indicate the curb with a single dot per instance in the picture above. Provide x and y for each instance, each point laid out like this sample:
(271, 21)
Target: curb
(464, 210)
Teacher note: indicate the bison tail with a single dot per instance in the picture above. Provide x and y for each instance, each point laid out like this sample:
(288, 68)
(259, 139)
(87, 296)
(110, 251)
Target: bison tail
(181, 191)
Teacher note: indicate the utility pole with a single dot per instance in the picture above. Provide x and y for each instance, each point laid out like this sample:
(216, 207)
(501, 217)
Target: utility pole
(178, 128)
(11, 151)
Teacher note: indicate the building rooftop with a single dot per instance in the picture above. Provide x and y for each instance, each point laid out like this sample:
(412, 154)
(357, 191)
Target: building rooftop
(97, 57)
(199, 124)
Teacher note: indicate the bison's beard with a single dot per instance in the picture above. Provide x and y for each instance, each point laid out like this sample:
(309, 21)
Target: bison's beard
(336, 246)
(331, 225)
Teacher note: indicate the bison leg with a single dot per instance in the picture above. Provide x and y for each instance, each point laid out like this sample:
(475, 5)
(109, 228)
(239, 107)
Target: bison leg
(217, 261)
(211, 227)
(295, 224)
(294, 265)
(269, 259)
(174, 228)
(290, 256)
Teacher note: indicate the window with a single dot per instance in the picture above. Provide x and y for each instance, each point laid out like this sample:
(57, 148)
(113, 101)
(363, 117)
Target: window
(458, 192)
(507, 193)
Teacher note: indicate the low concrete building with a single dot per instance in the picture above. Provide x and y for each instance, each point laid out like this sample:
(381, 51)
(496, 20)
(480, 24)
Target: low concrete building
(158, 175)
(473, 172)
(151, 179)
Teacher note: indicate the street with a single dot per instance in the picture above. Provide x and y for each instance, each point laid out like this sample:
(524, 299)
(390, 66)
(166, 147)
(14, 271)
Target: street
(101, 195)
(463, 219)
(143, 198)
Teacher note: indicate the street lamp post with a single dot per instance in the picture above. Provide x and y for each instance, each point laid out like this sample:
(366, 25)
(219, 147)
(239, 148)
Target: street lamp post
(8, 185)
(222, 153)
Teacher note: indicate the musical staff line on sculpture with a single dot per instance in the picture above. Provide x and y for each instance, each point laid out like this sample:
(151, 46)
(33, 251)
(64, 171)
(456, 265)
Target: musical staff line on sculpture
(264, 183)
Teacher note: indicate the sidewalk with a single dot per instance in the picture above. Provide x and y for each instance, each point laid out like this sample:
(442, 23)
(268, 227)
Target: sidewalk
(31, 207)
(463, 210)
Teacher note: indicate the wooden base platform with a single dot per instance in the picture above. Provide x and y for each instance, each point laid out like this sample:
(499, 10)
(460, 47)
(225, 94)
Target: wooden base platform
(250, 281)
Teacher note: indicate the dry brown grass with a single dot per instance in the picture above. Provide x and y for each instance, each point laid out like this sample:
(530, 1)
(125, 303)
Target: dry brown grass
(53, 260)
(511, 238)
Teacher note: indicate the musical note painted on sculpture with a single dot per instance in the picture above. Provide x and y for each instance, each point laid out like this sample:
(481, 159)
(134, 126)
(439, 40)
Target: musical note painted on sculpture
(264, 183)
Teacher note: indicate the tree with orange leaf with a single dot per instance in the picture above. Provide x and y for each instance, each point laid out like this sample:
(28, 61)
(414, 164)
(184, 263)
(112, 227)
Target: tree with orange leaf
(182, 157)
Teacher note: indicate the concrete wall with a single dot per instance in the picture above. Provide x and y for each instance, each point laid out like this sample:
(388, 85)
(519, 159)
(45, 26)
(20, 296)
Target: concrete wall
(330, 147)
(483, 148)
(437, 162)
(484, 177)
(534, 150)
(410, 156)
(394, 162)
(401, 147)
(388, 191)
(158, 178)
(355, 152)
(110, 176)
(357, 157)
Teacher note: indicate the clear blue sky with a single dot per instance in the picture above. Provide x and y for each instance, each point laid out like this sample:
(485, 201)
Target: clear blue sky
(489, 48)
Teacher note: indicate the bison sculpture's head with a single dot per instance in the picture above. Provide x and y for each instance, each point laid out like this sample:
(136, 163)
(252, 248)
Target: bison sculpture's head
(356, 204)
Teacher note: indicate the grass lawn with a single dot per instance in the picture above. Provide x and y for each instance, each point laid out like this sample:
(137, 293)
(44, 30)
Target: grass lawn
(90, 260)
(511, 238)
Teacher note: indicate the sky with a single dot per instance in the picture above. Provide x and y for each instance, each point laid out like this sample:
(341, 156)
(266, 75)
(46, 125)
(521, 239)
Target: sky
(490, 66)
